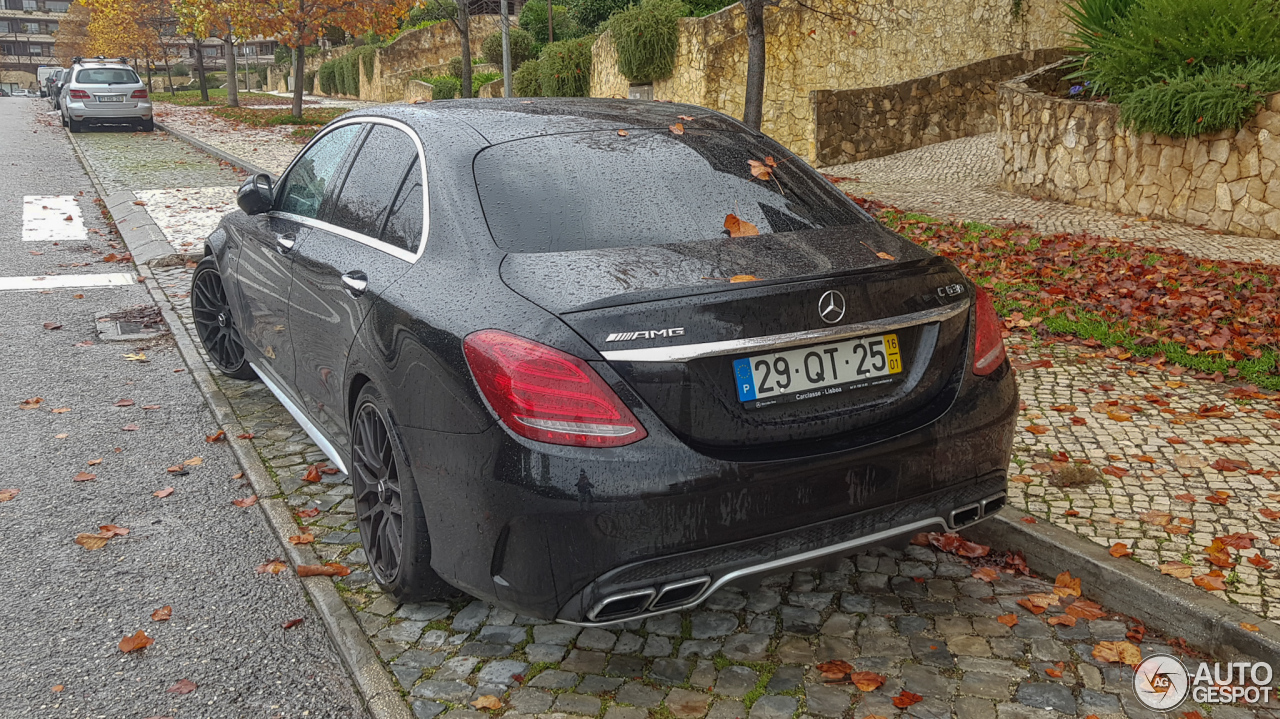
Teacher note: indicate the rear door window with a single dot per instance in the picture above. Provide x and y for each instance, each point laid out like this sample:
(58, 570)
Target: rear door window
(404, 225)
(106, 76)
(365, 199)
(592, 190)
(315, 172)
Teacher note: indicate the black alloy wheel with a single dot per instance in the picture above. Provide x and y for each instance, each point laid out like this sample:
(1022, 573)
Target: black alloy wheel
(375, 481)
(393, 527)
(214, 324)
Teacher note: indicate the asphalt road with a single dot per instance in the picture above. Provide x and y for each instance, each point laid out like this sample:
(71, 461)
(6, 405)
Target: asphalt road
(65, 608)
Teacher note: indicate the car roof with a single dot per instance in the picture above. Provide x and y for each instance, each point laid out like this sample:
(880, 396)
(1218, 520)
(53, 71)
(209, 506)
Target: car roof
(505, 119)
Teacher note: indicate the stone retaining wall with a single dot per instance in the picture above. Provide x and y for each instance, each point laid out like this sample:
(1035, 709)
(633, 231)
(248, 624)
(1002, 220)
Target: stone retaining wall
(834, 44)
(854, 125)
(1074, 151)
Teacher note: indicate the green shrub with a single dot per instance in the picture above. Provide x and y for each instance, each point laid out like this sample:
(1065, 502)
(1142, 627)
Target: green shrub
(482, 78)
(430, 12)
(262, 75)
(444, 87)
(284, 55)
(455, 67)
(527, 81)
(366, 54)
(565, 67)
(1192, 103)
(309, 81)
(647, 36)
(533, 20)
(180, 70)
(328, 85)
(588, 14)
(521, 47)
(702, 8)
(1128, 48)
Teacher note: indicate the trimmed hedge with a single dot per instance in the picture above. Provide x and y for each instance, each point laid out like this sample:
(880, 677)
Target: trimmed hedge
(341, 76)
(521, 48)
(443, 87)
(647, 37)
(565, 67)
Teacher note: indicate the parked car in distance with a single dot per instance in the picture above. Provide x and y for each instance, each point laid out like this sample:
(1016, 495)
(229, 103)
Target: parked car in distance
(21, 92)
(100, 91)
(4, 92)
(592, 369)
(53, 85)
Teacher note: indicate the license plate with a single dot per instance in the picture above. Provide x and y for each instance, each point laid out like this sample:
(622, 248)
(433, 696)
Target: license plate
(111, 98)
(808, 372)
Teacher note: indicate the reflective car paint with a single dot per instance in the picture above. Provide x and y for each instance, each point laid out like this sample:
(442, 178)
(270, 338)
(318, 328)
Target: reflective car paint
(551, 530)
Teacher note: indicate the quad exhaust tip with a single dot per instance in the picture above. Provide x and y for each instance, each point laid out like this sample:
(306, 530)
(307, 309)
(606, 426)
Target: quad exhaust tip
(669, 596)
(970, 513)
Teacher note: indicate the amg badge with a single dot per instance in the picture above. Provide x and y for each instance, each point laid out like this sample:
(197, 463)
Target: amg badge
(644, 334)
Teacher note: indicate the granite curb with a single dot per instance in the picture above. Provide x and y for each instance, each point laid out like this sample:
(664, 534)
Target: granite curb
(211, 150)
(375, 684)
(1162, 603)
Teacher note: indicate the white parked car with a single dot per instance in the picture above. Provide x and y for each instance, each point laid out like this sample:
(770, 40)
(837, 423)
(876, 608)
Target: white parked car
(101, 91)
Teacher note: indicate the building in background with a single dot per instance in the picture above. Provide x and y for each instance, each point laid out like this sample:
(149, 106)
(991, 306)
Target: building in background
(27, 29)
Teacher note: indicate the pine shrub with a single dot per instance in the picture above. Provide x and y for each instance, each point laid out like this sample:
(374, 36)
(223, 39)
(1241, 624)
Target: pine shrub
(565, 67)
(646, 37)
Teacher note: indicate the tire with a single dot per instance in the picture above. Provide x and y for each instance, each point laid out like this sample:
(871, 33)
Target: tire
(393, 528)
(76, 126)
(214, 323)
(64, 119)
(148, 125)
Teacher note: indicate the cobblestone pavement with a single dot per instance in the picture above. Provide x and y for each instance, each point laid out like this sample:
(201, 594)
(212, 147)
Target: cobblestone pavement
(961, 178)
(1152, 444)
(187, 215)
(150, 160)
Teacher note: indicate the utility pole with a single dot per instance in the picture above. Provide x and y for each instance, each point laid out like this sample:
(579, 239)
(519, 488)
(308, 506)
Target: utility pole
(506, 50)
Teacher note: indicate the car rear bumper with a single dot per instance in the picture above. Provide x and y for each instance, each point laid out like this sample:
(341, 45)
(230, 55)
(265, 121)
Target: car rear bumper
(78, 112)
(554, 532)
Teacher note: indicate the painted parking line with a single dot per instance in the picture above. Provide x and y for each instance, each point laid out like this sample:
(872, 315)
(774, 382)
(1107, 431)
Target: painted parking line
(49, 282)
(52, 218)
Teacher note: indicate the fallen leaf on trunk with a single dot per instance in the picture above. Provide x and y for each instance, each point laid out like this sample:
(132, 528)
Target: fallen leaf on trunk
(1120, 549)
(328, 569)
(140, 640)
(488, 701)
(246, 502)
(162, 614)
(274, 566)
(1117, 652)
(906, 699)
(1007, 619)
(184, 686)
(677, 129)
(291, 623)
(302, 538)
(1175, 569)
(162, 493)
(1214, 581)
(738, 227)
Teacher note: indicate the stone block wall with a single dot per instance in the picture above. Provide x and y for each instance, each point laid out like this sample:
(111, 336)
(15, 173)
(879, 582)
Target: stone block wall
(854, 125)
(833, 45)
(1075, 151)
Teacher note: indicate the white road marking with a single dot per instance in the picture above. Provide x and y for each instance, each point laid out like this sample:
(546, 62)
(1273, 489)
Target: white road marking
(49, 282)
(45, 219)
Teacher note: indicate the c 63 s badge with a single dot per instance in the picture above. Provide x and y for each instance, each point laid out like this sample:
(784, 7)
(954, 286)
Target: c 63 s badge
(644, 334)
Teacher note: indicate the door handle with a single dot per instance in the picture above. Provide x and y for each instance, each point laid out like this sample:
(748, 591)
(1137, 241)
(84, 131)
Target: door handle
(356, 283)
(285, 242)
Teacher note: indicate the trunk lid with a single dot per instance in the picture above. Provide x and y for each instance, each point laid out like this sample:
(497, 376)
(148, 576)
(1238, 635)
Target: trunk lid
(671, 324)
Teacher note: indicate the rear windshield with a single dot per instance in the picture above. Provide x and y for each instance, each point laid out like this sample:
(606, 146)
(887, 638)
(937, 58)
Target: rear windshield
(592, 190)
(106, 76)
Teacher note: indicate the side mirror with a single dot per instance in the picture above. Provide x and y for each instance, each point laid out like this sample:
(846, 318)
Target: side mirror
(256, 195)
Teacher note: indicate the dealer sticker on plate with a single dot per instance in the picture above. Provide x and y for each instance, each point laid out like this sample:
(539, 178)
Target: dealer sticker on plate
(808, 372)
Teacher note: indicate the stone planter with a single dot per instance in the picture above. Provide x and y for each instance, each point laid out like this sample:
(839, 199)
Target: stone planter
(1074, 151)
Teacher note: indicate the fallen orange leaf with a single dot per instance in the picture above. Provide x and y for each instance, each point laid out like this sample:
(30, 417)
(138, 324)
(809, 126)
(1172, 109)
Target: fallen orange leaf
(162, 614)
(328, 569)
(1120, 549)
(136, 642)
(1008, 619)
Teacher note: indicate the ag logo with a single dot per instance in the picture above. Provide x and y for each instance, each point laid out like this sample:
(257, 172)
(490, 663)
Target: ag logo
(1161, 682)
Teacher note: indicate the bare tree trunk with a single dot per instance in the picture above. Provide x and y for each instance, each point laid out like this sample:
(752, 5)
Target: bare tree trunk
(299, 75)
(753, 106)
(464, 32)
(168, 75)
(204, 86)
(551, 23)
(233, 82)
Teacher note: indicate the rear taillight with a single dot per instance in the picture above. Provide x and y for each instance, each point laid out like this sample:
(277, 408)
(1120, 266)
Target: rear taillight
(988, 347)
(547, 395)
(79, 95)
(139, 94)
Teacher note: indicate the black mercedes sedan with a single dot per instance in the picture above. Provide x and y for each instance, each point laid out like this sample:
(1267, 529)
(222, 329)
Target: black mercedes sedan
(592, 360)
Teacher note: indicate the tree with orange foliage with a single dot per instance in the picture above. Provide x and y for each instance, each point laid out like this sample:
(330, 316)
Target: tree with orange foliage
(297, 23)
(72, 39)
(130, 28)
(228, 20)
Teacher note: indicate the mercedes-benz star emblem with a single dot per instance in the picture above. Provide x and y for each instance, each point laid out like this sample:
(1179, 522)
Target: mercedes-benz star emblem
(831, 307)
